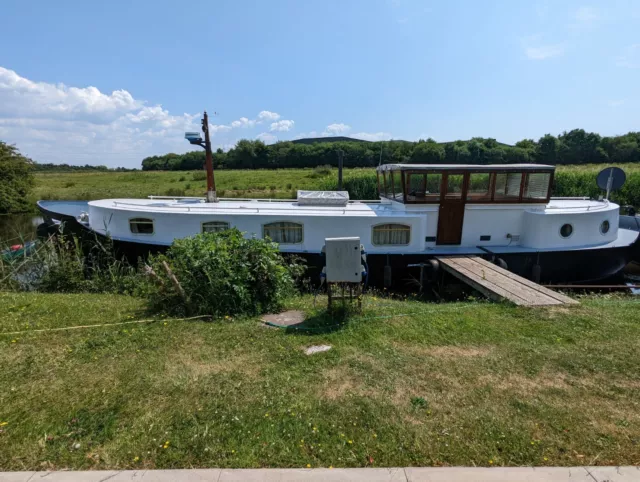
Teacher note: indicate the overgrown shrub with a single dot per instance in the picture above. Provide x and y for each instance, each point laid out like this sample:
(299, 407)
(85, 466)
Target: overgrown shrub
(222, 274)
(64, 264)
(199, 176)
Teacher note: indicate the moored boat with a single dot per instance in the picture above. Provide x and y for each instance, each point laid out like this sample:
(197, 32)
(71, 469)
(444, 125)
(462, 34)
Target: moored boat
(501, 212)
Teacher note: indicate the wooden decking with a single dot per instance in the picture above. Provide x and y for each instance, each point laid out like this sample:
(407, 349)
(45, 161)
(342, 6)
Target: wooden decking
(499, 284)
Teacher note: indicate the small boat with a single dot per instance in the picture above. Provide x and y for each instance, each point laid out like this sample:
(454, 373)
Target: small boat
(501, 212)
(17, 251)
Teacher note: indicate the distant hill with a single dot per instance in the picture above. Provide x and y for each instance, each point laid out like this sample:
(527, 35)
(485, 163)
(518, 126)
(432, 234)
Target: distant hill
(319, 140)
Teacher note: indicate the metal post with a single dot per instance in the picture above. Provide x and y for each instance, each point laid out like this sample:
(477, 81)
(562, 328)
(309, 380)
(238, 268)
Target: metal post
(211, 181)
(340, 156)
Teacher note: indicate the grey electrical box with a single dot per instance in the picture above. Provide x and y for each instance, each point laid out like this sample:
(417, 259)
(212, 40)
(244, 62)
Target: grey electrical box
(343, 260)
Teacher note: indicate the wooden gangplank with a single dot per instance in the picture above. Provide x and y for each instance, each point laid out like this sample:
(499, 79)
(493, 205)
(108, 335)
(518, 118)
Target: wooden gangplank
(499, 284)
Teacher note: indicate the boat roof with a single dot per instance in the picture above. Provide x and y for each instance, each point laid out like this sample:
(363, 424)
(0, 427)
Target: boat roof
(466, 167)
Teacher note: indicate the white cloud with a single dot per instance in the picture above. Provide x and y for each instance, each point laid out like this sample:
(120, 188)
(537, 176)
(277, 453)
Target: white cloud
(372, 136)
(267, 138)
(585, 16)
(283, 125)
(267, 116)
(82, 125)
(337, 129)
(630, 57)
(243, 122)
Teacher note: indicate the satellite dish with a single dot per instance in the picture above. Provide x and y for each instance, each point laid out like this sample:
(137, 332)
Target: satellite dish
(611, 179)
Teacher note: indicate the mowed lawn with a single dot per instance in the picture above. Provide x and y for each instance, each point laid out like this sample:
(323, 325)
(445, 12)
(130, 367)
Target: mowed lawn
(405, 383)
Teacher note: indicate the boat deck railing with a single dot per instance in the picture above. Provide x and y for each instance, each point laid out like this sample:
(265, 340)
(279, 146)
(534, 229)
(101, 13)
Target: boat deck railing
(270, 200)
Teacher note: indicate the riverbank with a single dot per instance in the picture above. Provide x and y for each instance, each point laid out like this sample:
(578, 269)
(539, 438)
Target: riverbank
(406, 383)
(266, 183)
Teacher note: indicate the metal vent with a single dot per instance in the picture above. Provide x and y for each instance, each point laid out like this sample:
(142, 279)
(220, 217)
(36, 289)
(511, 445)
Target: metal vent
(485, 237)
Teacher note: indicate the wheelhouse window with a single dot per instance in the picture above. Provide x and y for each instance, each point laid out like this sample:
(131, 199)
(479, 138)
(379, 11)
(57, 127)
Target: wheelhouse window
(398, 194)
(141, 225)
(536, 185)
(479, 189)
(423, 187)
(283, 232)
(214, 226)
(507, 186)
(455, 184)
(391, 235)
(388, 184)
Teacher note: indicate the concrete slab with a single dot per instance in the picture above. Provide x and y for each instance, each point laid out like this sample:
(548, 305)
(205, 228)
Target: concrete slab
(319, 475)
(64, 476)
(285, 319)
(497, 474)
(15, 476)
(615, 474)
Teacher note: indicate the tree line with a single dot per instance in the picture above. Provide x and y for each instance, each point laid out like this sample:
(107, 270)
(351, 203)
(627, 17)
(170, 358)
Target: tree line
(50, 167)
(573, 147)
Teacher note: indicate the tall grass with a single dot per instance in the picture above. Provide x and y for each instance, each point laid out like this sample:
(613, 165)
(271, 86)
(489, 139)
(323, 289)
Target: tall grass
(65, 264)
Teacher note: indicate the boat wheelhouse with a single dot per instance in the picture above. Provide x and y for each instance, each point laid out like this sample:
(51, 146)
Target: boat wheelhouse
(504, 212)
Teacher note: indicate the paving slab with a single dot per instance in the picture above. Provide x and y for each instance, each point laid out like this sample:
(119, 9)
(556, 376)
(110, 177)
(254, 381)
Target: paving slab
(319, 475)
(498, 474)
(16, 476)
(615, 474)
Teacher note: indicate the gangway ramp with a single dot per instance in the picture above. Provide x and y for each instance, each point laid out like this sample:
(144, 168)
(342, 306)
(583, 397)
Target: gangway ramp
(499, 284)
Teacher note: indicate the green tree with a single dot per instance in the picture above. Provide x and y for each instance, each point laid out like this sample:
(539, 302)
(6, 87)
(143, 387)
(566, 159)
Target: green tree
(16, 180)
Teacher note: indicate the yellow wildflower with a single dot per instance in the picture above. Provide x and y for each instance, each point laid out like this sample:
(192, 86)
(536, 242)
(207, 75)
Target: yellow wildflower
(2, 424)
(350, 441)
(136, 458)
(308, 466)
(490, 462)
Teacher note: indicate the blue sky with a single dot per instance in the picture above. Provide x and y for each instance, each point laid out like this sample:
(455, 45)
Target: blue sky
(112, 82)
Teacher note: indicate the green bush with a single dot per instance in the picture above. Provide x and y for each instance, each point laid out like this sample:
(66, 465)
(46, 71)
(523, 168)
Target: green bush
(199, 176)
(16, 180)
(222, 274)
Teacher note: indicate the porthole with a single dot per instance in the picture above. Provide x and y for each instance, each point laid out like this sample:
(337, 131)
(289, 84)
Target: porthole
(605, 226)
(566, 230)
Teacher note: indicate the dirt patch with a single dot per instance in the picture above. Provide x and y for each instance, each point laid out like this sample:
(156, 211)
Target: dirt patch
(339, 383)
(196, 368)
(446, 351)
(525, 385)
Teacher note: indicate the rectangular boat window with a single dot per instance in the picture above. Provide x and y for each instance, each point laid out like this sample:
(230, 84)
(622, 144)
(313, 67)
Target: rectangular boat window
(454, 186)
(434, 182)
(283, 232)
(416, 186)
(397, 186)
(214, 226)
(141, 225)
(537, 185)
(479, 187)
(388, 184)
(391, 235)
(507, 186)
(423, 187)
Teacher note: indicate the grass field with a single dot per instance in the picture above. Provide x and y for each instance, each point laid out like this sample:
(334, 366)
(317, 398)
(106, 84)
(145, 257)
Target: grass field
(406, 383)
(281, 183)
